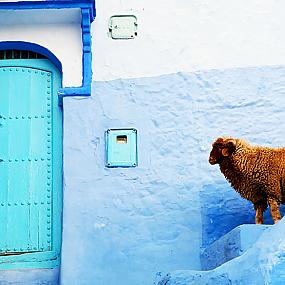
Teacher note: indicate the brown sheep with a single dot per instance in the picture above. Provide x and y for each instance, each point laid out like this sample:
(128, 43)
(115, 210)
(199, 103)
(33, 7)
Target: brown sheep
(256, 173)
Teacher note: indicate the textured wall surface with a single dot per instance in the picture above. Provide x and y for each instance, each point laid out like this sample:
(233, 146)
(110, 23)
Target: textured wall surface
(134, 225)
(186, 36)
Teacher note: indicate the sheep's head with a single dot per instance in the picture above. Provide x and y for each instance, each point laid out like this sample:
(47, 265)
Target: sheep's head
(222, 148)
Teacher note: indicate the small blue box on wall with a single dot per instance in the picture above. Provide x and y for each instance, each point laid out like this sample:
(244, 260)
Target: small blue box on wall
(121, 148)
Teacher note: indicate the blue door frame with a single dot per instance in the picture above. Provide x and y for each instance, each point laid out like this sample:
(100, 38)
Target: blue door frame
(32, 203)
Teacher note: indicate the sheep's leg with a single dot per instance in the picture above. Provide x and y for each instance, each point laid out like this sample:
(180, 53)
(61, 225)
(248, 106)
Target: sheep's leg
(260, 206)
(259, 215)
(274, 210)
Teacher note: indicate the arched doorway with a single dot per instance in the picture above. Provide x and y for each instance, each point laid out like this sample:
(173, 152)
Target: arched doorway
(30, 160)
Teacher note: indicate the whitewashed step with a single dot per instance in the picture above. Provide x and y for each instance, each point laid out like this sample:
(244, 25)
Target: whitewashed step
(231, 245)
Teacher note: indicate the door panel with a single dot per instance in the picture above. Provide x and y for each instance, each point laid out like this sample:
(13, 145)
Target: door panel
(25, 160)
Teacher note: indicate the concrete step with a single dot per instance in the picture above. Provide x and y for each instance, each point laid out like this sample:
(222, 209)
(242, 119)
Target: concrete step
(231, 245)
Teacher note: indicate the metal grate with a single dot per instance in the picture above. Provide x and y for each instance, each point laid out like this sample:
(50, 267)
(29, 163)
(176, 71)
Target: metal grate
(19, 54)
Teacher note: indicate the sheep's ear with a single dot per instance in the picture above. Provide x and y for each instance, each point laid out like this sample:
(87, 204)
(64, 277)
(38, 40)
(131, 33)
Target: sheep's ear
(226, 152)
(219, 141)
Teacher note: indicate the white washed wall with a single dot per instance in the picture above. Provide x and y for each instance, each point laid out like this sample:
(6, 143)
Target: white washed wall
(187, 35)
(57, 30)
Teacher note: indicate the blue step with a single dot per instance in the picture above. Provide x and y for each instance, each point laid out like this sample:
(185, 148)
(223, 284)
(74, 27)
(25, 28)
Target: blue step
(231, 245)
(30, 276)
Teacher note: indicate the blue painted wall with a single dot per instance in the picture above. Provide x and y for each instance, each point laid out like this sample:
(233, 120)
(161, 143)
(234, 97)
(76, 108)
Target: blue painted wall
(130, 226)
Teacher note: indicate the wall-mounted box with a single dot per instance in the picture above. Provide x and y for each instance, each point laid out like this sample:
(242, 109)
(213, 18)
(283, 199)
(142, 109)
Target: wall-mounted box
(123, 27)
(121, 148)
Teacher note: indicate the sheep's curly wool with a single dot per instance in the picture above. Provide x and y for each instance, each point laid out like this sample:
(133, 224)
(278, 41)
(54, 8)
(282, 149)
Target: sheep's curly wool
(256, 173)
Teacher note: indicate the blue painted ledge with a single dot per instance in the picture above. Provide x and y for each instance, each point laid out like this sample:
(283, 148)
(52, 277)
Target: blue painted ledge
(231, 245)
(262, 264)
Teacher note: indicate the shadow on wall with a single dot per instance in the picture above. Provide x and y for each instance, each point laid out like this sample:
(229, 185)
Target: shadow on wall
(222, 209)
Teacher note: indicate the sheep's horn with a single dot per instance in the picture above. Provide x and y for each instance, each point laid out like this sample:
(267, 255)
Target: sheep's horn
(231, 141)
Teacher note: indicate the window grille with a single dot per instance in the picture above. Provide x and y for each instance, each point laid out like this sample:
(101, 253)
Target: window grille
(19, 54)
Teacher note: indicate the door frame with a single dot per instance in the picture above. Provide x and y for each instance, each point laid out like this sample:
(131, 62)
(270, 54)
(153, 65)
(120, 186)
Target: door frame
(46, 259)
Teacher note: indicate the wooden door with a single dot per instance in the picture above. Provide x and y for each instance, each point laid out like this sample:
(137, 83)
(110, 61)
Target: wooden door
(29, 155)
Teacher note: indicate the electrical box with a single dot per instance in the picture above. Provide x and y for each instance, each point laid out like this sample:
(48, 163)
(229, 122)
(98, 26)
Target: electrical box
(123, 27)
(121, 148)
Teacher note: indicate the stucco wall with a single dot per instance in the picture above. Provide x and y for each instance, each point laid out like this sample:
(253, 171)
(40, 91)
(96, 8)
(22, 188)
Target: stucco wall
(197, 70)
(186, 36)
(135, 224)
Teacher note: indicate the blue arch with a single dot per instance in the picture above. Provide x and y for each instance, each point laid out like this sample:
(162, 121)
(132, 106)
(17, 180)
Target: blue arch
(19, 45)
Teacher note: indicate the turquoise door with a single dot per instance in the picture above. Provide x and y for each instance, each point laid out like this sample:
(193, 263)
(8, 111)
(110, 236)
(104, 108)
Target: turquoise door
(30, 163)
